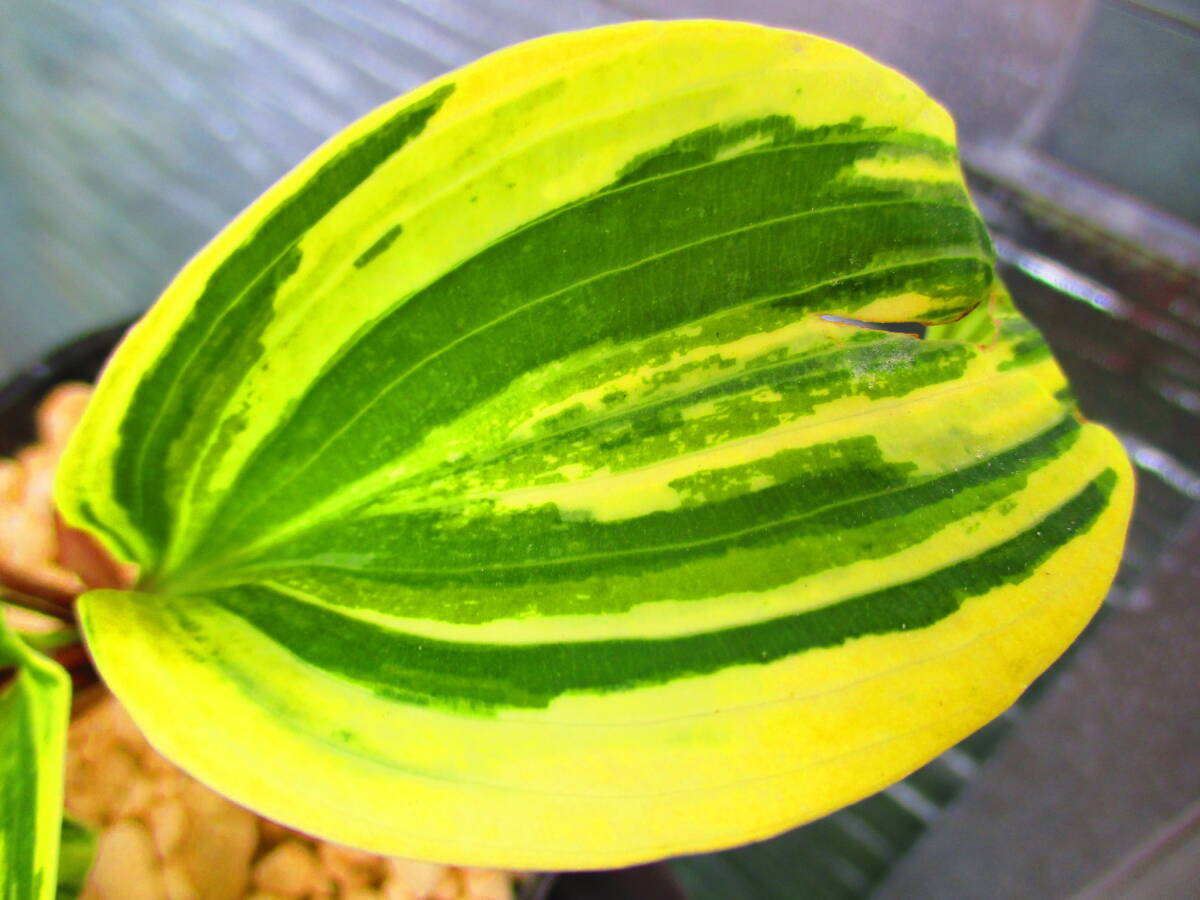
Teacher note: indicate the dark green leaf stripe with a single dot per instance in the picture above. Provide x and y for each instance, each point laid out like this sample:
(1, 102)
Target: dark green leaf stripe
(379, 246)
(498, 332)
(641, 433)
(420, 670)
(524, 452)
(186, 390)
(841, 503)
(769, 133)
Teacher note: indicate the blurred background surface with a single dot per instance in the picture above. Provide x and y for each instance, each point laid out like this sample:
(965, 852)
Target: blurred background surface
(131, 130)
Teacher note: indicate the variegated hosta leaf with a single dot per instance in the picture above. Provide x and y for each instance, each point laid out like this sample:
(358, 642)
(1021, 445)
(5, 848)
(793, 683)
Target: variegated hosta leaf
(34, 706)
(503, 496)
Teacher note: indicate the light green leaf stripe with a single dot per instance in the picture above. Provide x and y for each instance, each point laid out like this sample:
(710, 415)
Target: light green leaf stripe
(34, 707)
(509, 470)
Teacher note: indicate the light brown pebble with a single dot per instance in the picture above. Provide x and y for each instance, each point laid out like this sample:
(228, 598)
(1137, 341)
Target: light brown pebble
(30, 543)
(169, 785)
(217, 856)
(487, 884)
(93, 731)
(203, 803)
(395, 888)
(125, 731)
(449, 886)
(26, 620)
(290, 870)
(273, 833)
(10, 531)
(168, 822)
(350, 868)
(360, 893)
(125, 867)
(60, 412)
(154, 762)
(113, 775)
(136, 800)
(421, 877)
(85, 801)
(178, 881)
(12, 481)
(87, 730)
(39, 462)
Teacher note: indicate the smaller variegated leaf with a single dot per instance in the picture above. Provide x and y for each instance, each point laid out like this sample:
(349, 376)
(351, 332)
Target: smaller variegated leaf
(34, 706)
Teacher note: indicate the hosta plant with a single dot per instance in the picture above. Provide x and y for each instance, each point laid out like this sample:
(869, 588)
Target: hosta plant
(519, 481)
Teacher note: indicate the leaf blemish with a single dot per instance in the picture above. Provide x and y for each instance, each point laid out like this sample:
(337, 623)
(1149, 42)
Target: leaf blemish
(372, 252)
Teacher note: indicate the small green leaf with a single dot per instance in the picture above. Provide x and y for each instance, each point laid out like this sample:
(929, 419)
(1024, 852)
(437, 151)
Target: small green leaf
(506, 472)
(34, 708)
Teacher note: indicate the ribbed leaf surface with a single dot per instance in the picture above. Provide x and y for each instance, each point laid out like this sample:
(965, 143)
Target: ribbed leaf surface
(34, 705)
(504, 495)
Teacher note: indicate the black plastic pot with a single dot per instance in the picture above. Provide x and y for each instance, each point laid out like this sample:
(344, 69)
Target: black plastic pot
(82, 360)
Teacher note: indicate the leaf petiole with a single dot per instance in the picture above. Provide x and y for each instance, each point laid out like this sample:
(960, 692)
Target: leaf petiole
(34, 594)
